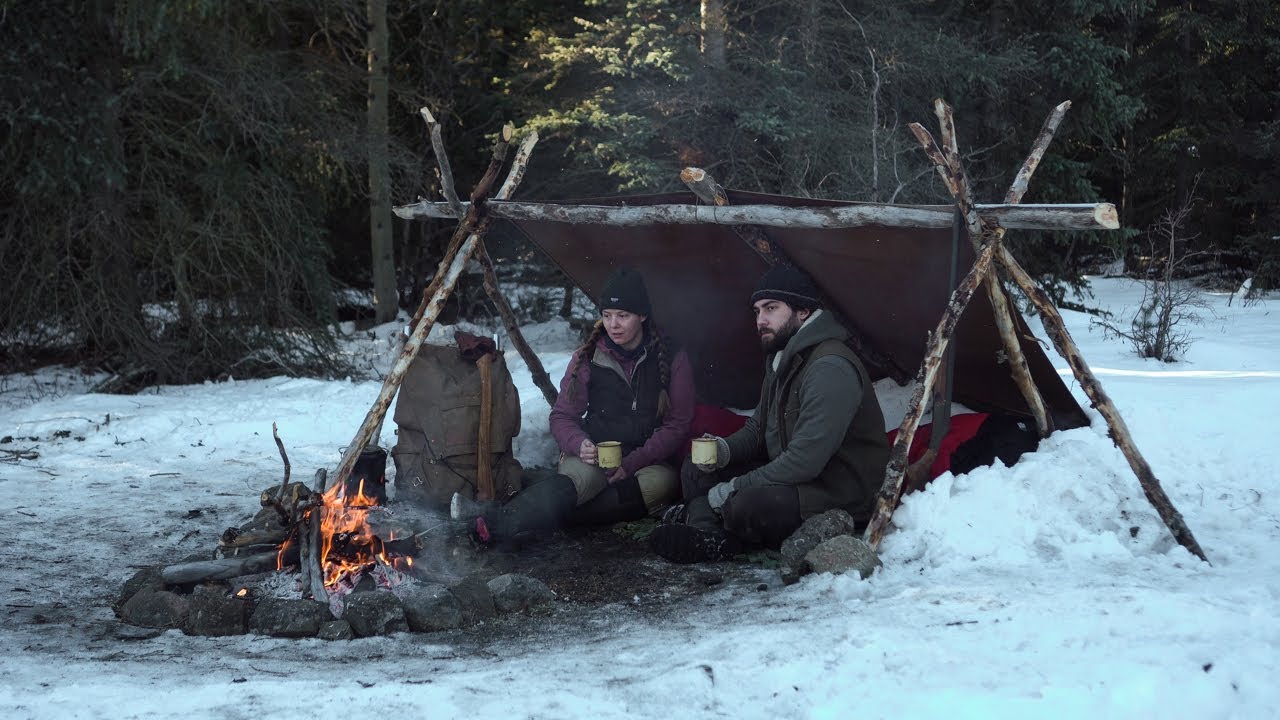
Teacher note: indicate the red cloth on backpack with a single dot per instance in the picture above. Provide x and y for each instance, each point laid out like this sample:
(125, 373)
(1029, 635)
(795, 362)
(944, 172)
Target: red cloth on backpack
(963, 427)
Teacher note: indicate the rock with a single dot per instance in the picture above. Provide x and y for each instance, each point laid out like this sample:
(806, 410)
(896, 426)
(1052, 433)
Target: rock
(375, 613)
(147, 578)
(841, 554)
(156, 609)
(280, 617)
(514, 593)
(813, 533)
(429, 607)
(214, 614)
(335, 630)
(475, 599)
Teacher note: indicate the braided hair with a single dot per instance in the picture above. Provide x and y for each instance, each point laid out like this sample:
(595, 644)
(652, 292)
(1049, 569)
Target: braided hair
(655, 343)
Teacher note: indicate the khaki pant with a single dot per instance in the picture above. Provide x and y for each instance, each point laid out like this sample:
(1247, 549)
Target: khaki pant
(657, 482)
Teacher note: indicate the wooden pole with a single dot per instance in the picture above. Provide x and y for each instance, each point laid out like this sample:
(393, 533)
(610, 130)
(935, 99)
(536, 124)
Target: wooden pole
(1088, 216)
(947, 161)
(1118, 431)
(466, 239)
(709, 191)
(895, 472)
(536, 371)
(1055, 327)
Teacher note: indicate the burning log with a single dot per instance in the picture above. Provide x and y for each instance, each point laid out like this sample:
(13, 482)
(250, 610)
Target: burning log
(310, 547)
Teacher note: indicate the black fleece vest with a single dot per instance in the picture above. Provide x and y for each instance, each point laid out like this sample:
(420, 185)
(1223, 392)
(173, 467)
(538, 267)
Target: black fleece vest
(618, 409)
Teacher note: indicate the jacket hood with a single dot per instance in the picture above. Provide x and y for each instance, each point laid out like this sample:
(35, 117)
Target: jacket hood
(820, 327)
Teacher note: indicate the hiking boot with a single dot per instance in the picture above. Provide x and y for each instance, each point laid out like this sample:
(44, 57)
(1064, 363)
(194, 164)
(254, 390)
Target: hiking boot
(464, 508)
(690, 544)
(675, 515)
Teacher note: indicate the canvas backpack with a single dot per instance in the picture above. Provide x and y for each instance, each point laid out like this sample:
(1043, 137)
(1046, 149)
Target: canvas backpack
(437, 419)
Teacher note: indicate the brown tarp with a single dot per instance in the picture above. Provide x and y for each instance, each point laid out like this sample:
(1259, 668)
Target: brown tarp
(890, 284)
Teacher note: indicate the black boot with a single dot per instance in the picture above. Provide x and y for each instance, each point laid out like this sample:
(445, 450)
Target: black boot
(700, 538)
(618, 502)
(538, 508)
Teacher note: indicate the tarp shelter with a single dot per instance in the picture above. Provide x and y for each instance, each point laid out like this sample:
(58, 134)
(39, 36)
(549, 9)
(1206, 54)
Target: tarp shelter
(891, 284)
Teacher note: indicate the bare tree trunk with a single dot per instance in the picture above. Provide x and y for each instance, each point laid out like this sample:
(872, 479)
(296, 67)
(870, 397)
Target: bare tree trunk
(386, 298)
(714, 24)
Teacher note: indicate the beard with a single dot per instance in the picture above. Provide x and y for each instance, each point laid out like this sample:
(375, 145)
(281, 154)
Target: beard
(775, 342)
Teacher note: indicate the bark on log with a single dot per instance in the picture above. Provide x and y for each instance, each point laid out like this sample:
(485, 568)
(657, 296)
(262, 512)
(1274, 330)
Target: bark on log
(1118, 430)
(464, 243)
(1087, 216)
(536, 371)
(710, 191)
(895, 471)
(310, 546)
(221, 569)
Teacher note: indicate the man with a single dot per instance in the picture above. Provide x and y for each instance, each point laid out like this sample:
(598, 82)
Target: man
(816, 441)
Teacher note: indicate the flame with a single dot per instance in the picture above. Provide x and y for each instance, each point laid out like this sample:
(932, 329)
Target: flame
(348, 545)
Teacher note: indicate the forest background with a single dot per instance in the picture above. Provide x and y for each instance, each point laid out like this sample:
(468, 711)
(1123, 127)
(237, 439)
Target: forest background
(188, 184)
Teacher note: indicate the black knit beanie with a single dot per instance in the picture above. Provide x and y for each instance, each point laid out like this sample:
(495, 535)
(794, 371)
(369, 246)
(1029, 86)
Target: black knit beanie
(789, 284)
(624, 290)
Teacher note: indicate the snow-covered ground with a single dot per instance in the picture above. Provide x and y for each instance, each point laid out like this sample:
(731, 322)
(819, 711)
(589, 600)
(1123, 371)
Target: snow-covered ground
(1049, 589)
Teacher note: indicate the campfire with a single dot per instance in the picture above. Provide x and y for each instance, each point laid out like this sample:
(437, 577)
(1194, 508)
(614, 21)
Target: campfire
(338, 536)
(318, 562)
(328, 540)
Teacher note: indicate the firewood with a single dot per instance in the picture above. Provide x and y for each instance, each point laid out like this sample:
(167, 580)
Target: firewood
(234, 538)
(223, 568)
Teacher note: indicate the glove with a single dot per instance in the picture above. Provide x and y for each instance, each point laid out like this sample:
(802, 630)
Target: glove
(718, 494)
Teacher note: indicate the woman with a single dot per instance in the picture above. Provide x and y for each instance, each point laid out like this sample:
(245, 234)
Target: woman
(625, 384)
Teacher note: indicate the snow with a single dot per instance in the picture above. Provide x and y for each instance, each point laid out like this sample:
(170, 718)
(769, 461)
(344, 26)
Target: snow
(1049, 589)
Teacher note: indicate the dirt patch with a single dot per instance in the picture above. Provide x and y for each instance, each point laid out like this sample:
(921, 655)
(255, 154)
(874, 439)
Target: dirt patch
(603, 565)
